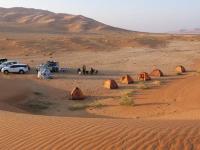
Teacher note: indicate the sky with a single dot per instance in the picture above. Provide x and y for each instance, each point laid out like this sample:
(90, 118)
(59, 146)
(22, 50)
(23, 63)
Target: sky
(137, 15)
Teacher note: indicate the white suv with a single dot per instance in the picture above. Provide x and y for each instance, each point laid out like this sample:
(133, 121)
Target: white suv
(16, 68)
(7, 63)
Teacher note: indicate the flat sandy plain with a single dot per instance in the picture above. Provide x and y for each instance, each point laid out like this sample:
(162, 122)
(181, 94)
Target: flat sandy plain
(37, 114)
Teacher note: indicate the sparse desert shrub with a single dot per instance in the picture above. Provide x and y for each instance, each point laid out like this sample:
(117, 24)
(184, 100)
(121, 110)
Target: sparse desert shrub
(127, 101)
(157, 83)
(81, 106)
(36, 105)
(129, 94)
(178, 73)
(96, 104)
(78, 106)
(143, 86)
(127, 98)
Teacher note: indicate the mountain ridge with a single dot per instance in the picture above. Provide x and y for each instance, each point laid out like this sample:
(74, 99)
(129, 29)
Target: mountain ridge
(37, 18)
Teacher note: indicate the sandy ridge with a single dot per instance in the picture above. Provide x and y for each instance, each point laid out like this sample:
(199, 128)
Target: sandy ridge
(38, 132)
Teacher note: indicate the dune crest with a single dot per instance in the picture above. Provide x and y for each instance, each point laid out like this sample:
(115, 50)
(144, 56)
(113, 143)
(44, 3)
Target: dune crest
(56, 21)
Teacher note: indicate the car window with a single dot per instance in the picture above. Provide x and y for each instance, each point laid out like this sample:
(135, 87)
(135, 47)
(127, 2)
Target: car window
(9, 63)
(12, 66)
(20, 66)
(17, 66)
(24, 66)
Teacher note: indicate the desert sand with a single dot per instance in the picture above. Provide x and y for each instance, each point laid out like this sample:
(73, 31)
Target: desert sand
(165, 116)
(38, 114)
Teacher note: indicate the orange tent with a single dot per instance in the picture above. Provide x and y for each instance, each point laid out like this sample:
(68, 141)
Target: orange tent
(110, 84)
(77, 94)
(144, 76)
(126, 80)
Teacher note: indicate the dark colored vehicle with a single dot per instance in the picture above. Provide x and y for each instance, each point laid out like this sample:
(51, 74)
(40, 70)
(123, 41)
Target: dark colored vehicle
(53, 66)
(3, 60)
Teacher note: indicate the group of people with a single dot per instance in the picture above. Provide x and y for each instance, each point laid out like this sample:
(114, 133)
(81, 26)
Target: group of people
(84, 71)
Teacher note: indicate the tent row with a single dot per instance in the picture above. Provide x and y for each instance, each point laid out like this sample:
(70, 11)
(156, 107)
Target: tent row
(77, 94)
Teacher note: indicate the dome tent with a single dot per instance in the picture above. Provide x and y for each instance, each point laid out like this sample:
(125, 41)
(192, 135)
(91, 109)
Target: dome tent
(77, 94)
(110, 84)
(126, 79)
(157, 73)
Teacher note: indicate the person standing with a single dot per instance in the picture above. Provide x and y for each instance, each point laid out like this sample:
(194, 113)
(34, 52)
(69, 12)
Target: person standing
(84, 69)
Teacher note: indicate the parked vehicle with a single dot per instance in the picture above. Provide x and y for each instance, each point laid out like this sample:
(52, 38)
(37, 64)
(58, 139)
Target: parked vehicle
(2, 60)
(41, 67)
(7, 63)
(15, 68)
(51, 65)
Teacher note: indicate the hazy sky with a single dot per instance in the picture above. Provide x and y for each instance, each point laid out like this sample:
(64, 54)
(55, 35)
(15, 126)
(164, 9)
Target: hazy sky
(140, 15)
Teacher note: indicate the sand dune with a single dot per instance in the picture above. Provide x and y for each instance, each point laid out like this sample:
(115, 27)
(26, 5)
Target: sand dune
(183, 97)
(23, 131)
(37, 132)
(23, 17)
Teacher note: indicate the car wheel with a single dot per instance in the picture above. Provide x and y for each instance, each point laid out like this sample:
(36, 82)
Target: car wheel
(21, 72)
(6, 72)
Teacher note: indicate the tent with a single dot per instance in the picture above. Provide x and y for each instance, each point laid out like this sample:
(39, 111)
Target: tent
(77, 94)
(180, 69)
(110, 84)
(126, 79)
(157, 73)
(144, 76)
